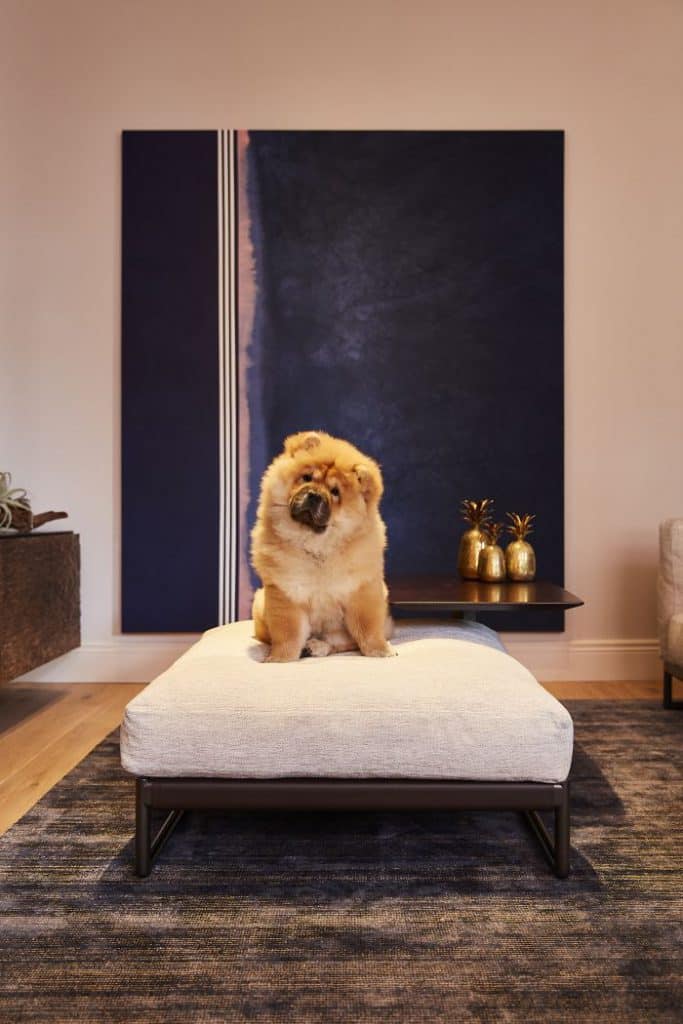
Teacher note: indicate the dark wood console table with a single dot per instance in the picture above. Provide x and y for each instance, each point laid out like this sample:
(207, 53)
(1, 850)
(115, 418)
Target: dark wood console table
(40, 609)
(431, 594)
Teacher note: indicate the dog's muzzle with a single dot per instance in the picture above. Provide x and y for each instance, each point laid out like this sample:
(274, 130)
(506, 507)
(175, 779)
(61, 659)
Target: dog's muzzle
(310, 508)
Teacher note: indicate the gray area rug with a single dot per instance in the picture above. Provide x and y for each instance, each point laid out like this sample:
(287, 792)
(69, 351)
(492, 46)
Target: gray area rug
(357, 917)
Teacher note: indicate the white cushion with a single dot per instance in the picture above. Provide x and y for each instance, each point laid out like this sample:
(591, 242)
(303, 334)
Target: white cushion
(451, 705)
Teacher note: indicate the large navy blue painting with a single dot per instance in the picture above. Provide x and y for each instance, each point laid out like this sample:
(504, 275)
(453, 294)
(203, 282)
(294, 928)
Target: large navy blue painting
(170, 394)
(403, 290)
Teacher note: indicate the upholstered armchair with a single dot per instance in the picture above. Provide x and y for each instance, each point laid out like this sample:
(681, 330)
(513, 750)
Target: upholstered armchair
(670, 605)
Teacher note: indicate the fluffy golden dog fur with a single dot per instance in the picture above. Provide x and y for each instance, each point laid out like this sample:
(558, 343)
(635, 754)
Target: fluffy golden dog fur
(318, 546)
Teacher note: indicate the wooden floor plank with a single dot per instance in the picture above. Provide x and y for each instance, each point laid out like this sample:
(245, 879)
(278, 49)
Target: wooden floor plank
(606, 691)
(33, 717)
(51, 751)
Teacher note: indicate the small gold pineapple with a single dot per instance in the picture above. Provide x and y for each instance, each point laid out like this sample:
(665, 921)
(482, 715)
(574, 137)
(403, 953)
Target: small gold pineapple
(478, 515)
(520, 558)
(491, 557)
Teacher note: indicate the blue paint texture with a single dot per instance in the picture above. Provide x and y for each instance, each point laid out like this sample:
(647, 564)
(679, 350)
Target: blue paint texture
(410, 299)
(169, 414)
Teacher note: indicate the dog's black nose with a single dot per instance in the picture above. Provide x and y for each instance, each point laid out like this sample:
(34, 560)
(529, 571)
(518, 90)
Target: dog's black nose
(310, 509)
(315, 501)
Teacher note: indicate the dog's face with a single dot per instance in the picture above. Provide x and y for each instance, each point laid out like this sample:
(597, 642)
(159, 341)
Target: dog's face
(321, 485)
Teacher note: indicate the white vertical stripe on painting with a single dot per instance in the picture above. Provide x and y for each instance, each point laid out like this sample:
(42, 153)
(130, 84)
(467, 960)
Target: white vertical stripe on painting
(227, 344)
(221, 380)
(227, 524)
(233, 376)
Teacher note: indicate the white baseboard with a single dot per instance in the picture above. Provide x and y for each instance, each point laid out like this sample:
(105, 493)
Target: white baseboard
(126, 659)
(554, 661)
(137, 659)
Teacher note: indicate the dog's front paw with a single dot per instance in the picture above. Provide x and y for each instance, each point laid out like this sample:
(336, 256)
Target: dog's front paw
(381, 651)
(316, 648)
(277, 657)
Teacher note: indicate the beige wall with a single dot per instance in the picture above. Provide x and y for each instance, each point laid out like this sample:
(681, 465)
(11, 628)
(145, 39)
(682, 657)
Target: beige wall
(609, 72)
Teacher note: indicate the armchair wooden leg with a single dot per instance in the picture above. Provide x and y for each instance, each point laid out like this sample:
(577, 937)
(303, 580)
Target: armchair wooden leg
(668, 701)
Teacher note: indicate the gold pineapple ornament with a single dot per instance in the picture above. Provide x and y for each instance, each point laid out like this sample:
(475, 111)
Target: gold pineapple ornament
(491, 557)
(520, 558)
(478, 515)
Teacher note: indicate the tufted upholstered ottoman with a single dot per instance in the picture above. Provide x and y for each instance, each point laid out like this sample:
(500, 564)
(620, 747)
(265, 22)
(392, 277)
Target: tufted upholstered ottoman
(452, 722)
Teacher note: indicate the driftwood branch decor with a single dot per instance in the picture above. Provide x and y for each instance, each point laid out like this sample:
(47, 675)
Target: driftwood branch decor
(15, 508)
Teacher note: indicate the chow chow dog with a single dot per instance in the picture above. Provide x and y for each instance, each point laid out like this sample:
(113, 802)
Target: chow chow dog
(318, 546)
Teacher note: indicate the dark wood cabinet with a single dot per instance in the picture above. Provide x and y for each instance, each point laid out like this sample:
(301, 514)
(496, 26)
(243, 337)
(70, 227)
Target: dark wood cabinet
(40, 607)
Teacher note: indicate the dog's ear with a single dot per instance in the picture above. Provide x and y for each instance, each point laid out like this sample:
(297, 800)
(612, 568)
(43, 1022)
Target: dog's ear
(370, 480)
(302, 442)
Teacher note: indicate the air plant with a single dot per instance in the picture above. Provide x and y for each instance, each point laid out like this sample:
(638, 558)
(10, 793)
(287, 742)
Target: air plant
(11, 498)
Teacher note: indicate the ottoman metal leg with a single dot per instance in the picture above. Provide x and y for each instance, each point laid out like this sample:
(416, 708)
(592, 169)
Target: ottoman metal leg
(562, 834)
(143, 831)
(146, 848)
(556, 849)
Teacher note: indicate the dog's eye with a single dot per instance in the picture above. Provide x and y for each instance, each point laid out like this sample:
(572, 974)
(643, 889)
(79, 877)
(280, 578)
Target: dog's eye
(307, 477)
(334, 491)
